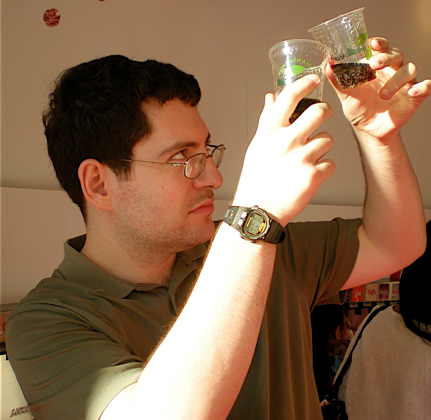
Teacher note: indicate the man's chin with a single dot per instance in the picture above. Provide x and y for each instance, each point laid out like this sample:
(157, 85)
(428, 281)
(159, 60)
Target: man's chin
(208, 230)
(203, 234)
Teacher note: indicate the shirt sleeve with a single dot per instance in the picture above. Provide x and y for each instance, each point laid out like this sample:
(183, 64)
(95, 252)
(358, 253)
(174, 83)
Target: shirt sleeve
(319, 258)
(64, 365)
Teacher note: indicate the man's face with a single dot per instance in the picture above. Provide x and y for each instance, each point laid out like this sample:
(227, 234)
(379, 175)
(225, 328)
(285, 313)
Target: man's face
(158, 208)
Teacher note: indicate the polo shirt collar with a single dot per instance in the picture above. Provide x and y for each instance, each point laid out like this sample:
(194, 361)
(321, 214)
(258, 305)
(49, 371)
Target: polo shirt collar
(77, 268)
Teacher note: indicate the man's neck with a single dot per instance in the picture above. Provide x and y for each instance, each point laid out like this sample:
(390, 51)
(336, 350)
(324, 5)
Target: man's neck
(150, 269)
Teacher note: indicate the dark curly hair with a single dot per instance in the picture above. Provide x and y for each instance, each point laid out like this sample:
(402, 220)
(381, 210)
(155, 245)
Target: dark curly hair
(95, 111)
(415, 289)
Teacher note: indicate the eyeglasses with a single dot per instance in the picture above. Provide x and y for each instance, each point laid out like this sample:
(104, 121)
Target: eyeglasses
(195, 164)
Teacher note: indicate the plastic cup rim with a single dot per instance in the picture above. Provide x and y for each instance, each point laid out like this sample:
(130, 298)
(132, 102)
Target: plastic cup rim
(334, 20)
(305, 41)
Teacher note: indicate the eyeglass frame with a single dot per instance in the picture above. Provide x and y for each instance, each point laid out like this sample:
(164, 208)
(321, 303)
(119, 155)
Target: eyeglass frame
(222, 148)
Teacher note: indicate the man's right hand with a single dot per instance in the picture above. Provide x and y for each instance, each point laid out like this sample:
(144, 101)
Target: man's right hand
(283, 167)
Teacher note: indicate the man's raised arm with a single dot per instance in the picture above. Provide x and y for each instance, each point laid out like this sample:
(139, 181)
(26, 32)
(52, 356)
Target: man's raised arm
(393, 231)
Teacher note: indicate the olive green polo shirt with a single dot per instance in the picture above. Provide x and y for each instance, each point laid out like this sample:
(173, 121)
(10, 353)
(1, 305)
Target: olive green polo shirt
(82, 336)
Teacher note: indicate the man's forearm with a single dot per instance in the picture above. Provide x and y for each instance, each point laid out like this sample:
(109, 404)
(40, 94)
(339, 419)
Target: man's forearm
(199, 368)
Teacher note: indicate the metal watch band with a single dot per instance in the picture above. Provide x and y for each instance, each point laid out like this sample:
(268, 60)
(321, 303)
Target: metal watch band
(268, 230)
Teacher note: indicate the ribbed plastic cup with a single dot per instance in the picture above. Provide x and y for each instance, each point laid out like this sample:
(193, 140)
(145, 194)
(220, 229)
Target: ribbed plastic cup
(293, 59)
(347, 40)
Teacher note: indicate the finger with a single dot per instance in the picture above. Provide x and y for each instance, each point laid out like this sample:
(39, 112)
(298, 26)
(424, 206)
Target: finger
(310, 120)
(268, 102)
(379, 44)
(319, 145)
(421, 89)
(266, 111)
(325, 167)
(269, 99)
(405, 75)
(392, 57)
(290, 96)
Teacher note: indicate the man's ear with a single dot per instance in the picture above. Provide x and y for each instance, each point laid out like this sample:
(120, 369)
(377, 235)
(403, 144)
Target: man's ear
(93, 176)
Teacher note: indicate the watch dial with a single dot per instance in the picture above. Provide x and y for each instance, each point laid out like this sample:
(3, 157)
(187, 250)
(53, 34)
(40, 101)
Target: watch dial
(255, 224)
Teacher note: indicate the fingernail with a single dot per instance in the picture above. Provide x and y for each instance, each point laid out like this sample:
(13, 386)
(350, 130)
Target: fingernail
(385, 93)
(315, 77)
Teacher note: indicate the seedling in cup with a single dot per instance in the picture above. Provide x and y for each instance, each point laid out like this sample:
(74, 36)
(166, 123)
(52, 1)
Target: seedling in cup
(293, 59)
(347, 40)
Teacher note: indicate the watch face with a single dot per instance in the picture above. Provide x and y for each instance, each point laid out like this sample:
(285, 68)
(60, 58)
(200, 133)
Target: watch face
(255, 224)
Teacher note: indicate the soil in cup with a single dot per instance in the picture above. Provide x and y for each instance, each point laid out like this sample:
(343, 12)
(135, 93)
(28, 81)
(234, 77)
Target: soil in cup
(350, 75)
(301, 107)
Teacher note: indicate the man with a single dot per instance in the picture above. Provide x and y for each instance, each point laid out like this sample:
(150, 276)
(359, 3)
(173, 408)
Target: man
(123, 329)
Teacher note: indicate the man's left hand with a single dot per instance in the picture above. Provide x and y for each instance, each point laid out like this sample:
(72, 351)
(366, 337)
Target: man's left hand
(381, 107)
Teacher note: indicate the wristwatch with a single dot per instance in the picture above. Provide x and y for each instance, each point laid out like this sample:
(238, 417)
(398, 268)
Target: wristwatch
(254, 224)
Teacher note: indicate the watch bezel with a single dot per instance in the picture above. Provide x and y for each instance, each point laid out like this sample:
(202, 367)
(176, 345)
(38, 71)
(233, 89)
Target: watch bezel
(249, 215)
(238, 216)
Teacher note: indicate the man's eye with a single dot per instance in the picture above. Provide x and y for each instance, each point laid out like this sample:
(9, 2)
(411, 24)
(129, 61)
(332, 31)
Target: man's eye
(179, 156)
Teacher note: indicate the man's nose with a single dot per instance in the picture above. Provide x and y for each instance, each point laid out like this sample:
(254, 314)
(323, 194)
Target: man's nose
(210, 176)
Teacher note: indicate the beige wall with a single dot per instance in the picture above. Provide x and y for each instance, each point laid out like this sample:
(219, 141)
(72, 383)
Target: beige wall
(224, 43)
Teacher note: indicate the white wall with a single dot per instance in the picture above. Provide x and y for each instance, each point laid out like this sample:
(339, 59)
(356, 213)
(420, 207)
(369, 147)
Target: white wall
(34, 225)
(224, 43)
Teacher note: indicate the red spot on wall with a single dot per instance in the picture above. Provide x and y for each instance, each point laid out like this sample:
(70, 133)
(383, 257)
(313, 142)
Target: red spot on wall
(51, 17)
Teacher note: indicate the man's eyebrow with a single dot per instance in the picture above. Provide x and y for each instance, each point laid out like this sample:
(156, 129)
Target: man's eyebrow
(181, 144)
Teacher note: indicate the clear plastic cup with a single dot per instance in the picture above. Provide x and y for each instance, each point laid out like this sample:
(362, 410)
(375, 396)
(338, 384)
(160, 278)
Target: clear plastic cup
(347, 39)
(293, 59)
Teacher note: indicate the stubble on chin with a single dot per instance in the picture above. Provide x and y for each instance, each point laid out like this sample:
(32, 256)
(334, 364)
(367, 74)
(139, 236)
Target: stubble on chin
(149, 242)
(149, 228)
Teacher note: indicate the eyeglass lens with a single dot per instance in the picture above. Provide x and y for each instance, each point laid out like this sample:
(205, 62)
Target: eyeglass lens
(196, 164)
(217, 155)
